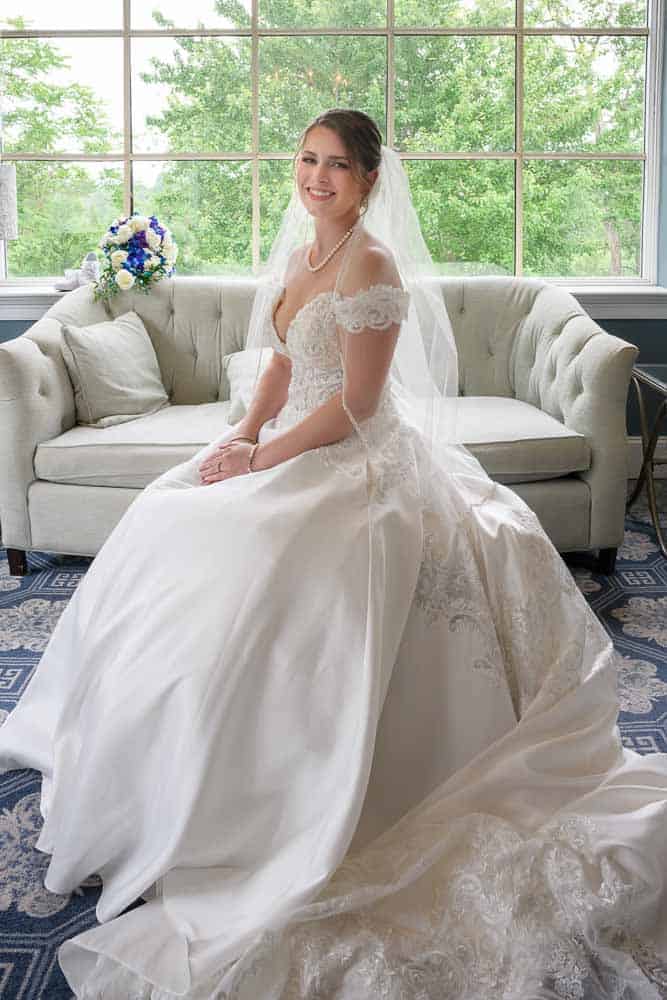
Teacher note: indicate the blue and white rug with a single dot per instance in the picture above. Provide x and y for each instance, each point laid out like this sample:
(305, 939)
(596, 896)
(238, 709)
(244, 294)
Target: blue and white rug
(632, 604)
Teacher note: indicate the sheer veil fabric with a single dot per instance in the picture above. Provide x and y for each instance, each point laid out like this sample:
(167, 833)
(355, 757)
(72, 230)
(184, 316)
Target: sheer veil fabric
(424, 371)
(346, 724)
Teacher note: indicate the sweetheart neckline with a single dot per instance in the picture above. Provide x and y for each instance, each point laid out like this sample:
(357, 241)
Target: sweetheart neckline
(326, 291)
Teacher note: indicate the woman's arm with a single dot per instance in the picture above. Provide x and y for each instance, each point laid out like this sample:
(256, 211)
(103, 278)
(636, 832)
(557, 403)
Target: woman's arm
(366, 366)
(326, 424)
(270, 395)
(367, 359)
(367, 362)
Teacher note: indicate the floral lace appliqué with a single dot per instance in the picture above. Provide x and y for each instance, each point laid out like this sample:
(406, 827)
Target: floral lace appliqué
(375, 308)
(449, 592)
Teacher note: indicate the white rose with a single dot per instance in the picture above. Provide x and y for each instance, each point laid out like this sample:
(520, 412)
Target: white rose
(153, 239)
(138, 222)
(124, 280)
(124, 234)
(152, 261)
(167, 241)
(118, 258)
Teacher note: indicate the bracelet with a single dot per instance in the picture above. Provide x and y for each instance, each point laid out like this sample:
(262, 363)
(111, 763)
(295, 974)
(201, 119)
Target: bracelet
(241, 438)
(252, 455)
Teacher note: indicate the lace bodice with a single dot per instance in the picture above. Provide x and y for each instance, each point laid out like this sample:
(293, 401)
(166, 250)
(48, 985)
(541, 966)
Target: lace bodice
(311, 342)
(376, 308)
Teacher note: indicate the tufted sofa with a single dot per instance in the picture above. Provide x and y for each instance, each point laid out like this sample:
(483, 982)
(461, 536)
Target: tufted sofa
(543, 392)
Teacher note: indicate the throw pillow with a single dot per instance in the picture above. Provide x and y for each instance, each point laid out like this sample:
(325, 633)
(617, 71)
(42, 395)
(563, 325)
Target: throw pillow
(114, 371)
(240, 368)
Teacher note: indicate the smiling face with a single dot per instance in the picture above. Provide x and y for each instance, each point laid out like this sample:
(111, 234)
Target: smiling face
(328, 184)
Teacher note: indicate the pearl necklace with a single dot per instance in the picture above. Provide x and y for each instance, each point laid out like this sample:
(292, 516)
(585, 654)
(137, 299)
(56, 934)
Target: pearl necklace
(331, 252)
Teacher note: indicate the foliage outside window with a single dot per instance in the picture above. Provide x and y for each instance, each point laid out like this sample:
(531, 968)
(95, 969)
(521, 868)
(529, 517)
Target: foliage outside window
(522, 130)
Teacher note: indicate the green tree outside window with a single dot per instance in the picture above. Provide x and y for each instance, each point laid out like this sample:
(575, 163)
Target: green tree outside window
(452, 93)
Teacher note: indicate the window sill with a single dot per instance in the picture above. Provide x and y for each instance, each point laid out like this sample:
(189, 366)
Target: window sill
(26, 301)
(30, 300)
(623, 302)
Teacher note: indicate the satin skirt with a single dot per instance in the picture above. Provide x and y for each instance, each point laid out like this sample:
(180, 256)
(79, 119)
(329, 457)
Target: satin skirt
(342, 749)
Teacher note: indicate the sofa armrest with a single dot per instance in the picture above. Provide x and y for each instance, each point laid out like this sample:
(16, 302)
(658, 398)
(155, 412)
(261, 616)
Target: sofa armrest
(36, 404)
(580, 374)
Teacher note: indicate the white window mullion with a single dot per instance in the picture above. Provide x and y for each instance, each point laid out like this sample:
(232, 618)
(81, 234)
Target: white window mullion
(650, 155)
(254, 113)
(518, 139)
(391, 63)
(652, 117)
(128, 194)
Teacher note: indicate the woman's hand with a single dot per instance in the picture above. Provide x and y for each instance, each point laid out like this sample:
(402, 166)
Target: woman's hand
(229, 459)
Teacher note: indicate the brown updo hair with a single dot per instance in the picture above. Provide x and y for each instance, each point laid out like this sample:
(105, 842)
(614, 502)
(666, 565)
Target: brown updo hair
(360, 136)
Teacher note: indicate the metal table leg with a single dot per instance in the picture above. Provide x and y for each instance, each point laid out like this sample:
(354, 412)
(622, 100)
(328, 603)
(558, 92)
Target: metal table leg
(649, 442)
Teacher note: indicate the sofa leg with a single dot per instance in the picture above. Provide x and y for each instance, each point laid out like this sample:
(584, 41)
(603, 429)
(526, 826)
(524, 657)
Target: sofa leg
(18, 563)
(606, 561)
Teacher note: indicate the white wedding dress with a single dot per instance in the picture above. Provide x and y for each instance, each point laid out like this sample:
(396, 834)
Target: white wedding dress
(344, 744)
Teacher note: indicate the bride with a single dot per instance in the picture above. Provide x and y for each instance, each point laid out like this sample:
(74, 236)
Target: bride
(328, 700)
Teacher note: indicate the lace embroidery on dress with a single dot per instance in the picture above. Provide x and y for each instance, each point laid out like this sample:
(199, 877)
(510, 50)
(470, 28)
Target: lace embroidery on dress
(391, 458)
(488, 913)
(317, 374)
(374, 308)
(450, 594)
(538, 596)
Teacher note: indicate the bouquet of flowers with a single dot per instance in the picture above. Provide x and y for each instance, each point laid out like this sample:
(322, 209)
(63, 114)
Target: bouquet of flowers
(138, 251)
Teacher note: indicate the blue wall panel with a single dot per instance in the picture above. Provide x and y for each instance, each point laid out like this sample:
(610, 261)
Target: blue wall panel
(662, 202)
(12, 328)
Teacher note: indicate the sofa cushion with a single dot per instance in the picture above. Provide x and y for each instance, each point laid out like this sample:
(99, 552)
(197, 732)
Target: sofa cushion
(514, 441)
(517, 443)
(114, 371)
(130, 454)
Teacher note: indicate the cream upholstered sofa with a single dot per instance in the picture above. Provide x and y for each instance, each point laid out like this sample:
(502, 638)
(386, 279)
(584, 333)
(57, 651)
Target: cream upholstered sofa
(543, 408)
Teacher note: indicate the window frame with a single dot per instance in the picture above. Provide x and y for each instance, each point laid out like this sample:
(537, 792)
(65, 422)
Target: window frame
(591, 286)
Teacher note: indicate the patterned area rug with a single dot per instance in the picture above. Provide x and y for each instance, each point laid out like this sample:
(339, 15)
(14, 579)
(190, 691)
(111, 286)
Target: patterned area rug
(632, 604)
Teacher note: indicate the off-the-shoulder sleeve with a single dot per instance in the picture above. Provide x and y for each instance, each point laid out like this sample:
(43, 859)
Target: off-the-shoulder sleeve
(375, 308)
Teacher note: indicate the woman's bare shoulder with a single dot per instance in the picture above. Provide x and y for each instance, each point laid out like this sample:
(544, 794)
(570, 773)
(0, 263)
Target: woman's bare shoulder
(294, 261)
(375, 264)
